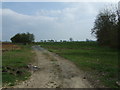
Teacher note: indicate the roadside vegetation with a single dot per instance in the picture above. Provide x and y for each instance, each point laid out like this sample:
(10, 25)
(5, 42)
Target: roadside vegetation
(15, 59)
(107, 27)
(98, 61)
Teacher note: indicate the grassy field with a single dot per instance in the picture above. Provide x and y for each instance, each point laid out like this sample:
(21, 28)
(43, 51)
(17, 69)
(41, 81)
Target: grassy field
(99, 61)
(14, 64)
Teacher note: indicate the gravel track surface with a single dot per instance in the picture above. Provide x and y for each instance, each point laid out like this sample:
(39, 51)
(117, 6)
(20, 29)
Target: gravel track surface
(54, 72)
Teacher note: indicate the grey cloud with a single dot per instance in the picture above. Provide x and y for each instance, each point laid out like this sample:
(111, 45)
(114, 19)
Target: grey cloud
(60, 24)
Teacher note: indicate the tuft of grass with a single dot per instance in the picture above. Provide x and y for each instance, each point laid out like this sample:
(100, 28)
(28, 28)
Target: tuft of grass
(14, 65)
(90, 57)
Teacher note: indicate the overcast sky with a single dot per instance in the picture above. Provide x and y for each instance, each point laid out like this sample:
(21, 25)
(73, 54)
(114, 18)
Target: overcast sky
(50, 20)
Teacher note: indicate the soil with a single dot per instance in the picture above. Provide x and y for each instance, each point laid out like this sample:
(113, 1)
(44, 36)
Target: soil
(54, 72)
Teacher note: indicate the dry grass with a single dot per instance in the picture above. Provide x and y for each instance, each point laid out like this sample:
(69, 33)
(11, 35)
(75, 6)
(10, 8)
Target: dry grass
(9, 46)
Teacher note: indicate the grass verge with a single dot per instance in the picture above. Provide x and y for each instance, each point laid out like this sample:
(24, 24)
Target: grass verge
(14, 65)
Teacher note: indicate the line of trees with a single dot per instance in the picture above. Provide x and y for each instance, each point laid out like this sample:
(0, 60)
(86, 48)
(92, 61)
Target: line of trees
(107, 27)
(24, 38)
(70, 40)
